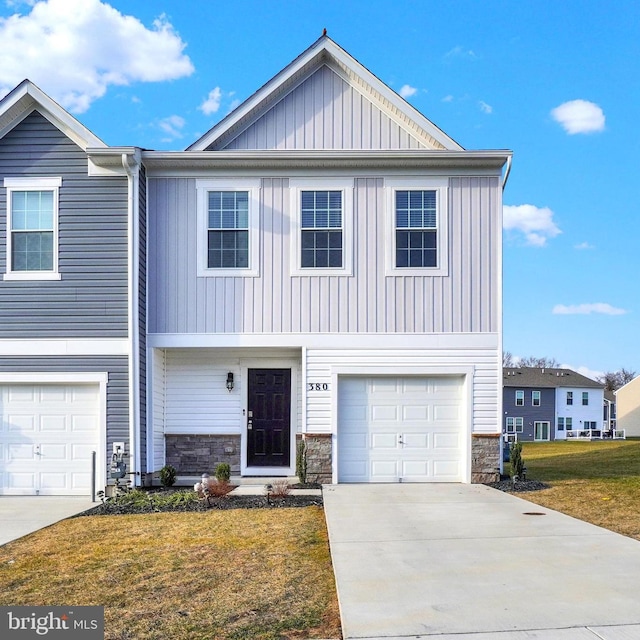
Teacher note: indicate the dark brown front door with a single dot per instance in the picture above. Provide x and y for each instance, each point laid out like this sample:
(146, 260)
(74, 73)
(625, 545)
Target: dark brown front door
(269, 418)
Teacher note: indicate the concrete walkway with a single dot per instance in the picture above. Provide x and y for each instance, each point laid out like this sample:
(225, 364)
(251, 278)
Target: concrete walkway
(466, 562)
(21, 515)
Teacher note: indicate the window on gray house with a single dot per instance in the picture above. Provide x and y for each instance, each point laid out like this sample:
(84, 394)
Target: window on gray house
(416, 229)
(321, 229)
(228, 230)
(519, 398)
(32, 220)
(535, 398)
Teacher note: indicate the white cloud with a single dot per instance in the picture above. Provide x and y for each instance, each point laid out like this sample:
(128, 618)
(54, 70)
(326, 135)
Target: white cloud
(406, 91)
(212, 102)
(448, 98)
(460, 52)
(535, 223)
(585, 371)
(579, 116)
(484, 107)
(75, 49)
(588, 309)
(584, 246)
(172, 126)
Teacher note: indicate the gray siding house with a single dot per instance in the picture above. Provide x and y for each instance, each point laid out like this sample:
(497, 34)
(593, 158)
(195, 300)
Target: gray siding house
(550, 404)
(68, 325)
(322, 268)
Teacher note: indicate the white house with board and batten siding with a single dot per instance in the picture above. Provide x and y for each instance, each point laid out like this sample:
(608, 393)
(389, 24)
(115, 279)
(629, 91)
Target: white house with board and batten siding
(324, 266)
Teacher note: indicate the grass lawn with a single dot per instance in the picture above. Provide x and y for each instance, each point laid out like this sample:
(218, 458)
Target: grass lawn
(236, 574)
(594, 481)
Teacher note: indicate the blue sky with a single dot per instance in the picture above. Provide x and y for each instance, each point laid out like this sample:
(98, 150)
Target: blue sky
(556, 82)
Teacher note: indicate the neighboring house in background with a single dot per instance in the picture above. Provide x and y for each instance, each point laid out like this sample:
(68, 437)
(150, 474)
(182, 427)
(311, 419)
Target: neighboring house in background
(71, 326)
(550, 404)
(609, 413)
(628, 408)
(303, 273)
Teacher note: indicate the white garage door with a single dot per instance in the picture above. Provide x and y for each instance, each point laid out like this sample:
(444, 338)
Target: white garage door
(400, 429)
(47, 435)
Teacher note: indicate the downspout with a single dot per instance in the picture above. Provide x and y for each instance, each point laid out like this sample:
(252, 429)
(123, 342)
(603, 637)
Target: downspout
(133, 177)
(507, 171)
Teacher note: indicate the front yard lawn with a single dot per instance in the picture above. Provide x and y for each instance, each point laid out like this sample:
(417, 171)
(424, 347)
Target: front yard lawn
(233, 574)
(595, 481)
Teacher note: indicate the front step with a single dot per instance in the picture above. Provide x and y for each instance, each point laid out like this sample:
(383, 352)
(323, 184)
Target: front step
(257, 481)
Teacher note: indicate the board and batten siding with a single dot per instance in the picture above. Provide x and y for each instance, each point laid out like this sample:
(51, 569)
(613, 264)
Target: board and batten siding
(117, 387)
(190, 394)
(320, 364)
(91, 298)
(465, 301)
(323, 112)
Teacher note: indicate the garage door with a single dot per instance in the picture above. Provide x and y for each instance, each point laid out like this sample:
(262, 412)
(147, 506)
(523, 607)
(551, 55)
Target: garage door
(400, 429)
(47, 435)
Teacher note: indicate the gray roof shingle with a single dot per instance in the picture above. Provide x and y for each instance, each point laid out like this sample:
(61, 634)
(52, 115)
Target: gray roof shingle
(534, 377)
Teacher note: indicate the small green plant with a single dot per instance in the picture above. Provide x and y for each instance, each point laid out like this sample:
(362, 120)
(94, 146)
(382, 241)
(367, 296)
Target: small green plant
(168, 476)
(301, 461)
(517, 463)
(223, 472)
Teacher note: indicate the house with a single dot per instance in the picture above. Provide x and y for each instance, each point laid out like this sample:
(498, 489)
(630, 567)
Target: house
(551, 404)
(609, 412)
(628, 408)
(71, 325)
(319, 271)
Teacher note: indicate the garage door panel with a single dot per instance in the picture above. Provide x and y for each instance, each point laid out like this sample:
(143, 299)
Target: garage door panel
(415, 427)
(48, 434)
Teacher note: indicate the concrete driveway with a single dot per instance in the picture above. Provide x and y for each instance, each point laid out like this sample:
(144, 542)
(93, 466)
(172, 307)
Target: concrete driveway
(21, 515)
(466, 562)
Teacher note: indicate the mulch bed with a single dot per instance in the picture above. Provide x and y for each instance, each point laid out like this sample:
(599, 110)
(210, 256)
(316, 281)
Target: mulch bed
(520, 486)
(115, 507)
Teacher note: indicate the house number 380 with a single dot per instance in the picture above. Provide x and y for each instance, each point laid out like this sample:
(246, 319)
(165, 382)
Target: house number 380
(317, 386)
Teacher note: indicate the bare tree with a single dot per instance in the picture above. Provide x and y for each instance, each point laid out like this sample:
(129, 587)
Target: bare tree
(540, 363)
(507, 360)
(613, 380)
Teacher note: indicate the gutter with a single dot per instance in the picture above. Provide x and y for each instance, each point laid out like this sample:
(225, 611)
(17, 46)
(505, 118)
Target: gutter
(507, 171)
(133, 232)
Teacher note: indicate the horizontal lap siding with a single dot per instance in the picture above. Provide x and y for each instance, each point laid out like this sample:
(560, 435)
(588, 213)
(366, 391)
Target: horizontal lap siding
(485, 365)
(465, 301)
(324, 112)
(91, 298)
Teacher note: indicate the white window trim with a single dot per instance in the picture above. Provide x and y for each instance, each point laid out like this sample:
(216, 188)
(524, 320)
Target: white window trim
(296, 186)
(441, 187)
(521, 404)
(252, 186)
(536, 400)
(32, 184)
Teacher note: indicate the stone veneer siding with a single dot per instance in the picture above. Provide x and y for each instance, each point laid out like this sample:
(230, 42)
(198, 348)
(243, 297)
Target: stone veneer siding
(485, 458)
(318, 457)
(193, 455)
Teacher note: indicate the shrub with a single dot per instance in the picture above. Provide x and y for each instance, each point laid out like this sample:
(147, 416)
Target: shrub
(279, 488)
(219, 489)
(301, 461)
(223, 472)
(168, 476)
(517, 463)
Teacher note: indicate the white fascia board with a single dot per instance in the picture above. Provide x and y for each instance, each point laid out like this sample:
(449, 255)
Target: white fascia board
(107, 162)
(326, 340)
(64, 347)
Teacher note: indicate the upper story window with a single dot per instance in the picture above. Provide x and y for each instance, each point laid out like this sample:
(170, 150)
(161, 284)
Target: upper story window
(417, 227)
(535, 398)
(32, 228)
(569, 397)
(228, 227)
(519, 398)
(322, 226)
(585, 398)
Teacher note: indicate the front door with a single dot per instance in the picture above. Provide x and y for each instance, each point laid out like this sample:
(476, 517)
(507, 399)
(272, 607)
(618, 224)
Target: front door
(269, 418)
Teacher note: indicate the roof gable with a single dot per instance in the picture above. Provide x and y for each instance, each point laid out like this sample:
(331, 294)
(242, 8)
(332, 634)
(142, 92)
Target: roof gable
(27, 98)
(333, 74)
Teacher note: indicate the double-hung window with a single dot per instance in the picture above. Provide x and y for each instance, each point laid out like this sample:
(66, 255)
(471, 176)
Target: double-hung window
(585, 398)
(569, 397)
(227, 227)
(535, 398)
(515, 425)
(417, 227)
(519, 398)
(32, 228)
(321, 214)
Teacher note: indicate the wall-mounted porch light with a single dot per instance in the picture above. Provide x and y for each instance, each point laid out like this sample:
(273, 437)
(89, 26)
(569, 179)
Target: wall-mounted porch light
(229, 381)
